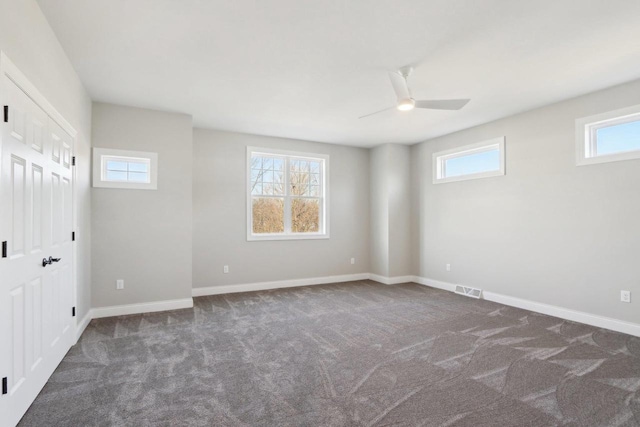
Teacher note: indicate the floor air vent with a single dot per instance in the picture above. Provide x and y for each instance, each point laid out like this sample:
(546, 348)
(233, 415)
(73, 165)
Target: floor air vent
(467, 291)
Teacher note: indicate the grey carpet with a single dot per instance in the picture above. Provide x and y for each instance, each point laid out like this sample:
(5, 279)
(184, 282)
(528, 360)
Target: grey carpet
(351, 354)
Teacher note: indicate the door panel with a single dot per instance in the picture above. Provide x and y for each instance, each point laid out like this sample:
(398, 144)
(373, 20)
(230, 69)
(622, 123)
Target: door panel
(18, 201)
(19, 335)
(37, 201)
(36, 322)
(36, 190)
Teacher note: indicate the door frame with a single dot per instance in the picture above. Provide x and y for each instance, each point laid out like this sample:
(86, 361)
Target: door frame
(8, 68)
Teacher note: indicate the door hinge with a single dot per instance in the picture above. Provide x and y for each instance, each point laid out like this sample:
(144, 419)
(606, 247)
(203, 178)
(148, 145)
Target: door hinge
(73, 161)
(4, 385)
(73, 312)
(73, 236)
(4, 249)
(6, 114)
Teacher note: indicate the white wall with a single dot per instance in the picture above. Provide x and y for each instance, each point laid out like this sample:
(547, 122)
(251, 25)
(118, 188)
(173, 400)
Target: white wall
(29, 42)
(548, 231)
(390, 180)
(143, 236)
(219, 234)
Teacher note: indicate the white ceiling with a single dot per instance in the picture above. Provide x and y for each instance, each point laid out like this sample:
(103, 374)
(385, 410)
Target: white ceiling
(308, 69)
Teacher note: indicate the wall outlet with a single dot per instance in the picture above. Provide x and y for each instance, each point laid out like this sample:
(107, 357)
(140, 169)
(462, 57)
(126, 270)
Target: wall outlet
(225, 269)
(625, 296)
(119, 284)
(353, 260)
(448, 267)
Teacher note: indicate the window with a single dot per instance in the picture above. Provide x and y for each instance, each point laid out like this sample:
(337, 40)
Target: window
(608, 137)
(474, 161)
(287, 195)
(124, 169)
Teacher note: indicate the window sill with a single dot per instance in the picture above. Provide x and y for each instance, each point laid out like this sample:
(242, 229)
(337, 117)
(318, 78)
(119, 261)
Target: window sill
(257, 238)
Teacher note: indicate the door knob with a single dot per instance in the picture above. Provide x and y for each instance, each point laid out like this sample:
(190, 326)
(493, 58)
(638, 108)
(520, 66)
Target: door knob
(51, 260)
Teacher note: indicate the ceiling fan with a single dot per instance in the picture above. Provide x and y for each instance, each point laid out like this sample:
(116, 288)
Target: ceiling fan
(406, 101)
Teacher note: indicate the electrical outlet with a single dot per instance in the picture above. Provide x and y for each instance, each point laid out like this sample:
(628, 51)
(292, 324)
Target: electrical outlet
(225, 269)
(625, 296)
(119, 284)
(448, 266)
(353, 260)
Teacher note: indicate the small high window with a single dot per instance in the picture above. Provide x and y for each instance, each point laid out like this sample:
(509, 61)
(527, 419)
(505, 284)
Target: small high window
(481, 160)
(124, 169)
(609, 137)
(287, 195)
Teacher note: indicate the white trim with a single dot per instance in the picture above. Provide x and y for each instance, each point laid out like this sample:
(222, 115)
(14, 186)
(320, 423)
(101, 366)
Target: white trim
(391, 280)
(551, 310)
(566, 313)
(145, 307)
(439, 159)
(279, 284)
(21, 80)
(445, 286)
(585, 133)
(287, 234)
(82, 325)
(97, 174)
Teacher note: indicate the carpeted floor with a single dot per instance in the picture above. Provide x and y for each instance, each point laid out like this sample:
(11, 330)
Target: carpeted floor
(351, 354)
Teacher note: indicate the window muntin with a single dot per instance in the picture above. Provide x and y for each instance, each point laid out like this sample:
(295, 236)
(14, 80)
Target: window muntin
(481, 160)
(124, 169)
(609, 137)
(287, 195)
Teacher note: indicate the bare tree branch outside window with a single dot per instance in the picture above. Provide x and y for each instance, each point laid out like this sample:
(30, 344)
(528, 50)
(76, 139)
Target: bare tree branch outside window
(269, 194)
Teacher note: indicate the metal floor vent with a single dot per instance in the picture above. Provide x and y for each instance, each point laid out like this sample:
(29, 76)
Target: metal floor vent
(469, 292)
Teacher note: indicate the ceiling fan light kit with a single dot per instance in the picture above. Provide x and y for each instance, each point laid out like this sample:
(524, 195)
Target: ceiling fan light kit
(406, 104)
(406, 101)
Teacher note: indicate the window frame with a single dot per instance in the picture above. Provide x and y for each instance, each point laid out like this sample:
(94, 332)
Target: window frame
(586, 136)
(102, 155)
(324, 196)
(440, 158)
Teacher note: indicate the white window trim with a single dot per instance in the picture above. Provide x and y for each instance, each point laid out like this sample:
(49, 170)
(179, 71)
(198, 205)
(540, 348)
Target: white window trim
(441, 157)
(324, 213)
(99, 182)
(586, 128)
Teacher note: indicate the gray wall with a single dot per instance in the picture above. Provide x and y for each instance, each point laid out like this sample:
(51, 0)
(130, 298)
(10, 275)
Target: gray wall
(390, 180)
(399, 194)
(379, 211)
(29, 41)
(548, 231)
(219, 200)
(143, 236)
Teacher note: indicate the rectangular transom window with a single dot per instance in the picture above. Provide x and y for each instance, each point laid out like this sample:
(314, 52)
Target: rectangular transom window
(481, 160)
(608, 137)
(287, 195)
(124, 169)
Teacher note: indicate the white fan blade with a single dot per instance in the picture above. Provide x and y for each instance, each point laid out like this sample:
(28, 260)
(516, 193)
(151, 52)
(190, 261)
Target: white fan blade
(400, 85)
(443, 104)
(381, 111)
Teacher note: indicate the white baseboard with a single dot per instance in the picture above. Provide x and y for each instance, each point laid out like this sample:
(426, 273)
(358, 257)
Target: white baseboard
(566, 313)
(262, 286)
(551, 310)
(391, 280)
(82, 325)
(146, 307)
(445, 286)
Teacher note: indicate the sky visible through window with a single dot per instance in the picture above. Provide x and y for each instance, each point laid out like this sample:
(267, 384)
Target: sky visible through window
(618, 138)
(127, 171)
(473, 163)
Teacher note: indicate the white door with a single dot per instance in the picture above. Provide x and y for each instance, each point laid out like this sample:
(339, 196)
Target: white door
(36, 299)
